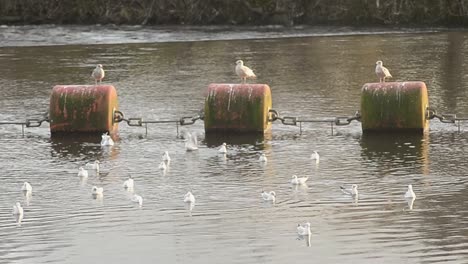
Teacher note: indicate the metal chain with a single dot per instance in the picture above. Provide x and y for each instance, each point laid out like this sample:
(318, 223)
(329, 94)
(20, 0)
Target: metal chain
(293, 121)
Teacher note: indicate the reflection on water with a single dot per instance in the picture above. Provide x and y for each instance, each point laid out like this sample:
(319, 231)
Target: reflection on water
(316, 77)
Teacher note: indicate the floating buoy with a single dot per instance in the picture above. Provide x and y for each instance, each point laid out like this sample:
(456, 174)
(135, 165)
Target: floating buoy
(83, 109)
(394, 107)
(234, 108)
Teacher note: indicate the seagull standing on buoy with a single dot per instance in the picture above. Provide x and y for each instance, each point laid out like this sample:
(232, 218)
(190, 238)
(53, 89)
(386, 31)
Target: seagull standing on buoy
(166, 156)
(381, 71)
(98, 74)
(244, 72)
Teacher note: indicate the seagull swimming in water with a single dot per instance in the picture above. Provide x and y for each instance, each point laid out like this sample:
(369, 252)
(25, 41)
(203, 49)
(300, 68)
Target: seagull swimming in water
(315, 156)
(166, 156)
(189, 198)
(97, 191)
(137, 199)
(129, 183)
(106, 140)
(244, 72)
(18, 209)
(222, 149)
(162, 166)
(269, 196)
(191, 142)
(98, 74)
(296, 180)
(303, 229)
(353, 191)
(93, 165)
(26, 187)
(381, 71)
(263, 158)
(410, 193)
(82, 172)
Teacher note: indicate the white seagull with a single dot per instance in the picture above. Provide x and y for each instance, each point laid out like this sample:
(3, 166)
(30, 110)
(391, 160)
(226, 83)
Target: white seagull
(410, 193)
(98, 74)
(162, 166)
(26, 187)
(222, 149)
(129, 183)
(381, 71)
(244, 72)
(303, 229)
(315, 156)
(137, 199)
(18, 209)
(263, 158)
(82, 173)
(106, 140)
(191, 142)
(189, 198)
(97, 191)
(166, 156)
(353, 191)
(296, 180)
(93, 165)
(269, 196)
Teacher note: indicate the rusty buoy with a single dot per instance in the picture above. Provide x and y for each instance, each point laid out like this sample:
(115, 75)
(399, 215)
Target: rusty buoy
(394, 106)
(234, 108)
(83, 109)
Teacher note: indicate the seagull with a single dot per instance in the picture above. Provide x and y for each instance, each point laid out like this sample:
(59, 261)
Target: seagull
(137, 199)
(93, 166)
(269, 196)
(189, 198)
(129, 183)
(353, 191)
(303, 229)
(166, 157)
(106, 140)
(98, 74)
(162, 166)
(97, 191)
(223, 149)
(26, 187)
(410, 193)
(381, 71)
(191, 143)
(295, 180)
(244, 72)
(315, 156)
(82, 173)
(263, 158)
(18, 209)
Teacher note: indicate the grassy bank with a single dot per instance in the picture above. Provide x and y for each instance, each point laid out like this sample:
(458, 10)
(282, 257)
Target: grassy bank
(236, 12)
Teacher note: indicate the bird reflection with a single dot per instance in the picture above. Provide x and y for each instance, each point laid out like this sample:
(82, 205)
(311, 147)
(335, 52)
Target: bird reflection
(410, 201)
(27, 197)
(305, 238)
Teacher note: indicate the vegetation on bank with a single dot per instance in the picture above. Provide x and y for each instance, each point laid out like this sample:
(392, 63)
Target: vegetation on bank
(236, 12)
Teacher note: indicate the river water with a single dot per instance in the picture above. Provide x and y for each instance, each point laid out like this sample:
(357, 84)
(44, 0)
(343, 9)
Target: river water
(316, 74)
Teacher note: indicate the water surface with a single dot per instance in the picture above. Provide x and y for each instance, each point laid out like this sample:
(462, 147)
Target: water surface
(311, 77)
